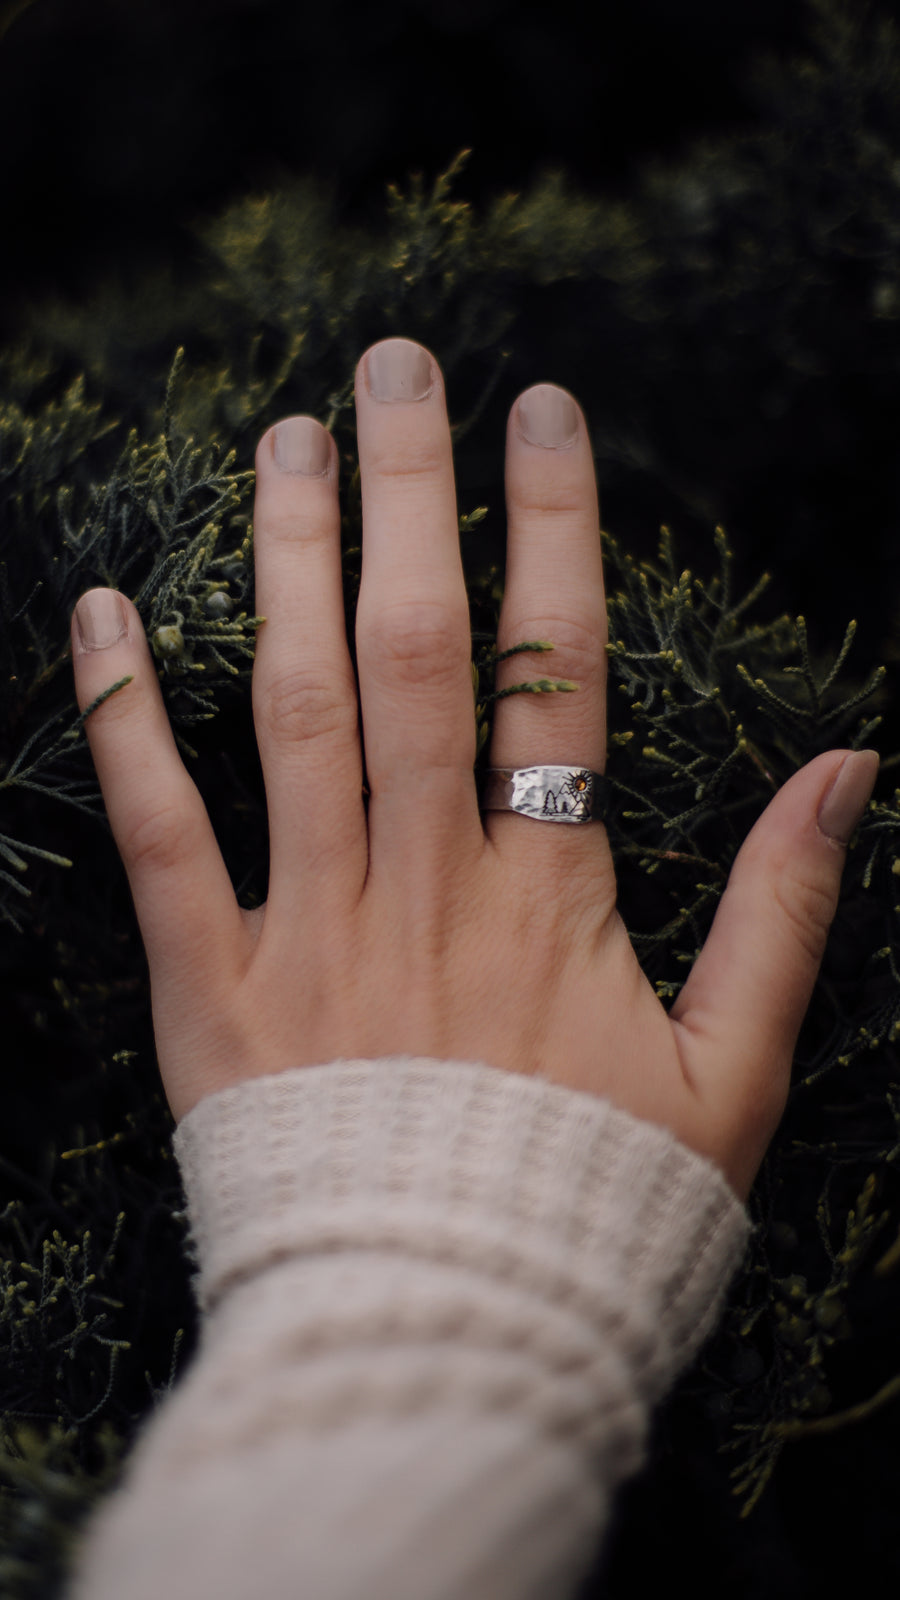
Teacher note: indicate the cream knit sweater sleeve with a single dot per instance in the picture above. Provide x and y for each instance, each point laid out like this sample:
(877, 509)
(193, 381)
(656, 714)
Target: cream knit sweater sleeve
(439, 1301)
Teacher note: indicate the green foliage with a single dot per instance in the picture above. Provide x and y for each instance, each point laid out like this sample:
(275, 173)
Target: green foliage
(78, 1322)
(706, 739)
(127, 432)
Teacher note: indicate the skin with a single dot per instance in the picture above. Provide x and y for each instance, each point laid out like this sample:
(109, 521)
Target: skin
(425, 928)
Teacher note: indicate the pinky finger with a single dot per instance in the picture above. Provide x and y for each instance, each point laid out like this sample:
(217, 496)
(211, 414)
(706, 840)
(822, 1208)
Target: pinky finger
(189, 918)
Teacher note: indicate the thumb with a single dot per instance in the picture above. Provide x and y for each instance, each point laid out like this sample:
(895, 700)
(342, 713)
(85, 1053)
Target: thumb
(741, 1010)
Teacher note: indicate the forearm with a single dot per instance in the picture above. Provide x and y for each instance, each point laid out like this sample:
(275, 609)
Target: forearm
(440, 1302)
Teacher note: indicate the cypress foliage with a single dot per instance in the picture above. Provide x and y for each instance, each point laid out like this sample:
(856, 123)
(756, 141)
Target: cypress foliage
(127, 432)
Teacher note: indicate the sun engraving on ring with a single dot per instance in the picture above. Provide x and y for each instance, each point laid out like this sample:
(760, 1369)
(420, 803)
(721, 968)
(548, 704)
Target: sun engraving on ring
(576, 788)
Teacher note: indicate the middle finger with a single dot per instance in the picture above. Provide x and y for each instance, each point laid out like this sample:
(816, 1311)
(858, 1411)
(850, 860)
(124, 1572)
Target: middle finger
(412, 621)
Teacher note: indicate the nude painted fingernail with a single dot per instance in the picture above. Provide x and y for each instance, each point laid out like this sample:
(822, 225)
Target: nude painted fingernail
(302, 445)
(547, 416)
(100, 619)
(397, 369)
(847, 799)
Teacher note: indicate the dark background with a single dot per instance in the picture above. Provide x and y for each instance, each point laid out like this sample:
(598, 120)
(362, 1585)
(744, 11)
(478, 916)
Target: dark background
(121, 124)
(120, 121)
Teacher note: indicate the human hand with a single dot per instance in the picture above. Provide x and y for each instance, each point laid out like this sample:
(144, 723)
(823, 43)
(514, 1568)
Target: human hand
(417, 926)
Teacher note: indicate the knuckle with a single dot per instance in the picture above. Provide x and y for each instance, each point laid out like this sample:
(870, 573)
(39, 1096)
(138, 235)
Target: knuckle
(161, 841)
(548, 495)
(412, 459)
(303, 704)
(299, 525)
(415, 641)
(125, 713)
(807, 905)
(577, 650)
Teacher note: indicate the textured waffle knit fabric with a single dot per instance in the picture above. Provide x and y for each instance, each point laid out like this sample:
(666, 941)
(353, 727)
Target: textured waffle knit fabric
(439, 1302)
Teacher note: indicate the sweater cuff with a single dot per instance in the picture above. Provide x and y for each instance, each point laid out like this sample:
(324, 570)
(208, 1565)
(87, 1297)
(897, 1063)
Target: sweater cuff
(548, 1189)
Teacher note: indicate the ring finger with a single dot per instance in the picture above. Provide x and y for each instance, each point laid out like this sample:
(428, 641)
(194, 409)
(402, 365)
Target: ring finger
(554, 592)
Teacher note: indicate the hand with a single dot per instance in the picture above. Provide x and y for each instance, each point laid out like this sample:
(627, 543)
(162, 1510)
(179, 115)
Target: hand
(421, 927)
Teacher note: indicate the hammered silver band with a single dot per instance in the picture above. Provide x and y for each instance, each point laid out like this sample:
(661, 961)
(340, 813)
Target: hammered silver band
(549, 794)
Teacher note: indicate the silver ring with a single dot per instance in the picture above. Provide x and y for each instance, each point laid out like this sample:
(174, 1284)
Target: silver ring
(549, 794)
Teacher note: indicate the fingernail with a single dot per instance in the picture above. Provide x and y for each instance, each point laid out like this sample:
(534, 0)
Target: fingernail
(847, 799)
(100, 619)
(547, 416)
(301, 444)
(397, 369)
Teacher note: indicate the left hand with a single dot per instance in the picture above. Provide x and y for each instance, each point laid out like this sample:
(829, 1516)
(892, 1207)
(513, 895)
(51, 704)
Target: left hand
(415, 925)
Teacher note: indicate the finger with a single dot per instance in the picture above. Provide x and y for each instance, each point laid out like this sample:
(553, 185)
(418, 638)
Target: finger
(554, 592)
(412, 628)
(741, 1011)
(186, 907)
(304, 689)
